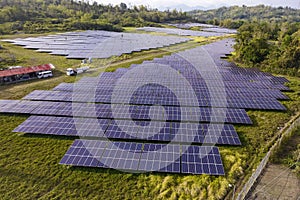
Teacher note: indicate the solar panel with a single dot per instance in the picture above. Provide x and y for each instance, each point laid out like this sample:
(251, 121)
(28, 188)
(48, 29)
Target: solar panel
(24, 107)
(202, 160)
(34, 124)
(123, 156)
(86, 153)
(50, 125)
(160, 158)
(121, 129)
(145, 157)
(5, 105)
(224, 134)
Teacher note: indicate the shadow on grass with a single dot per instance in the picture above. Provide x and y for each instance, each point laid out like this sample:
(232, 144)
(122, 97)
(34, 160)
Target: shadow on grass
(119, 172)
(43, 136)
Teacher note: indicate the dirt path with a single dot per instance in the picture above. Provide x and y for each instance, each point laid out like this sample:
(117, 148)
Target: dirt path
(277, 182)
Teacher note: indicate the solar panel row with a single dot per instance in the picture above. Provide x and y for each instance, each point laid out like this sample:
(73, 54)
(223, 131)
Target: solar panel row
(135, 112)
(163, 97)
(123, 129)
(126, 156)
(182, 32)
(159, 90)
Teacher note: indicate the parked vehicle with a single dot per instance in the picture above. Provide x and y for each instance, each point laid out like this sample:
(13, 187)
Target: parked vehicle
(74, 72)
(45, 74)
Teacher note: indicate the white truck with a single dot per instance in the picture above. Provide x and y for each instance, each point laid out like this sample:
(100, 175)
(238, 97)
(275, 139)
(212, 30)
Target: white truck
(74, 72)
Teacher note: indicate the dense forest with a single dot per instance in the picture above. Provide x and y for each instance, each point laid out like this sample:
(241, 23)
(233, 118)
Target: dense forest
(268, 37)
(235, 16)
(274, 47)
(36, 16)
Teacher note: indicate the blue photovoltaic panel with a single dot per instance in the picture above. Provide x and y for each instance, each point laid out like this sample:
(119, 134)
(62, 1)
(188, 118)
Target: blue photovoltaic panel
(5, 105)
(202, 160)
(24, 107)
(160, 158)
(154, 131)
(85, 153)
(84, 127)
(34, 124)
(129, 156)
(123, 156)
(121, 129)
(224, 134)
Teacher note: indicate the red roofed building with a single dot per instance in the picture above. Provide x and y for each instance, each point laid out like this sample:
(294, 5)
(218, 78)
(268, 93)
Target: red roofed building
(24, 73)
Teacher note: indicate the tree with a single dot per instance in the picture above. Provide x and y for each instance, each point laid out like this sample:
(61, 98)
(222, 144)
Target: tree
(123, 6)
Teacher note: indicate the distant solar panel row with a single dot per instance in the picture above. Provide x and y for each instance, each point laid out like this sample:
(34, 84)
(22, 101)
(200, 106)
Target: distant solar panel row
(181, 32)
(190, 25)
(205, 27)
(110, 84)
(157, 89)
(135, 112)
(122, 129)
(145, 157)
(159, 98)
(96, 44)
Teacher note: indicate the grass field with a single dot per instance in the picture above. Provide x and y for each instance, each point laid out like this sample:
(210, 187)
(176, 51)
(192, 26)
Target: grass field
(29, 166)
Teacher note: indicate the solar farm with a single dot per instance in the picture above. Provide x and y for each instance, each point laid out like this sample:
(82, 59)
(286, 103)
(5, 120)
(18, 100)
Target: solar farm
(95, 44)
(163, 115)
(187, 119)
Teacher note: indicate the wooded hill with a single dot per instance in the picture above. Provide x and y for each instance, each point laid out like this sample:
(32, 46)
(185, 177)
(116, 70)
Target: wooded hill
(269, 46)
(235, 16)
(36, 16)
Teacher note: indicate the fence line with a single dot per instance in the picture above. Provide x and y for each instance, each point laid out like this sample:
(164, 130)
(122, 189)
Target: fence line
(284, 133)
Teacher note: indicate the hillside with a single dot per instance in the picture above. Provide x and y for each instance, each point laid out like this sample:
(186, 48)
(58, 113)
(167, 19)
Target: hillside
(36, 16)
(234, 16)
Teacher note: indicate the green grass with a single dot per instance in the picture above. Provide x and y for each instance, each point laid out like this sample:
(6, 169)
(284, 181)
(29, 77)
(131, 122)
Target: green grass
(29, 164)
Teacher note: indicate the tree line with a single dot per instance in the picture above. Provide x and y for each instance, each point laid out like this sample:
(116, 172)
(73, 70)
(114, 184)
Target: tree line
(236, 16)
(36, 16)
(271, 46)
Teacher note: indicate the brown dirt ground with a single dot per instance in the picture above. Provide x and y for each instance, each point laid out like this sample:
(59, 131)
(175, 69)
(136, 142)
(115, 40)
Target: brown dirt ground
(277, 182)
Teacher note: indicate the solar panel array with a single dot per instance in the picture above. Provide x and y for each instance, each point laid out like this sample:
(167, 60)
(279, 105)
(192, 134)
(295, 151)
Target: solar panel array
(154, 108)
(209, 32)
(205, 27)
(171, 158)
(96, 44)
